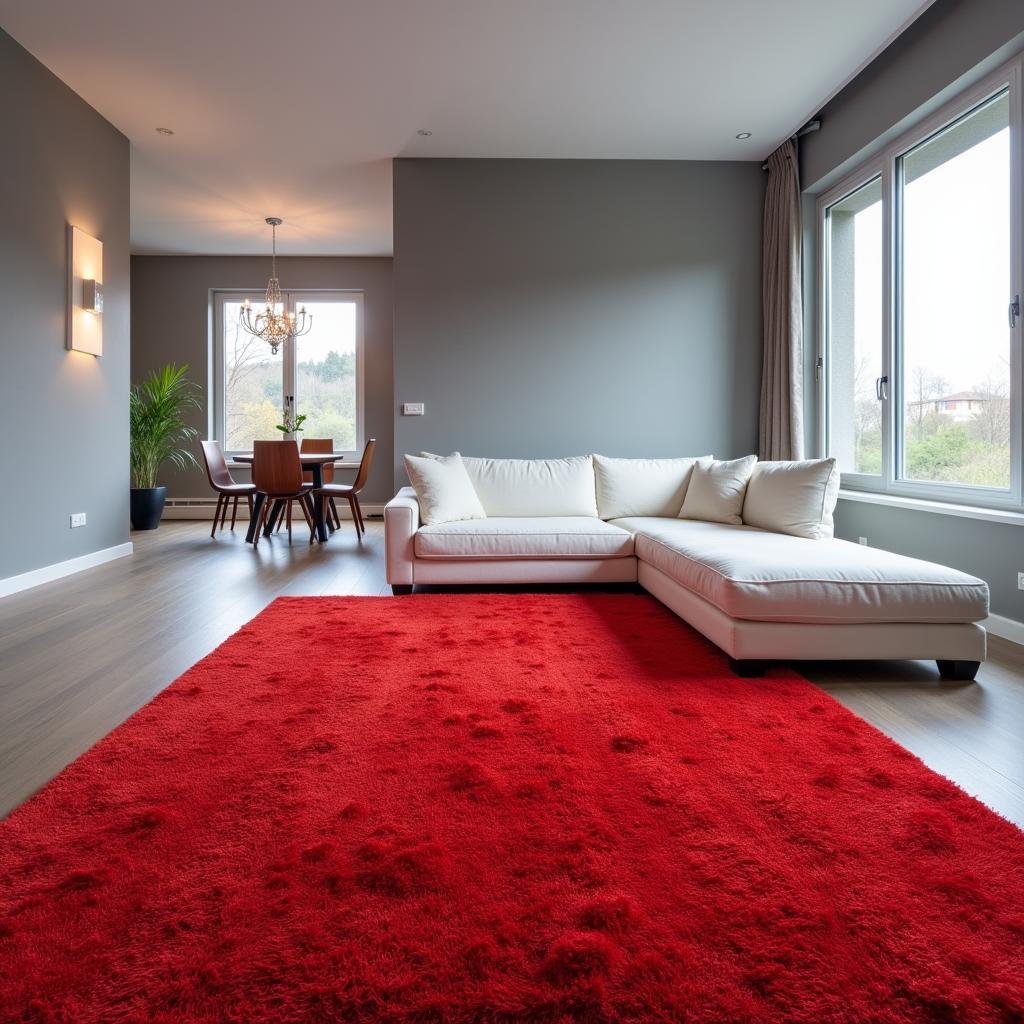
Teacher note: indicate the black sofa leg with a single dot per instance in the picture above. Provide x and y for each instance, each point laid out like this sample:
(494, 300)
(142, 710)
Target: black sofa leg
(747, 669)
(963, 671)
(401, 589)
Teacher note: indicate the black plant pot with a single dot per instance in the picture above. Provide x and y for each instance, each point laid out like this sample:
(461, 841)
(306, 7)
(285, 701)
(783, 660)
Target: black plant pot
(147, 506)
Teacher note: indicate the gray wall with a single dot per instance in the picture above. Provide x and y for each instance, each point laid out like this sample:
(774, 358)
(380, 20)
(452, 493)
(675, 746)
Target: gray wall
(993, 551)
(550, 307)
(953, 44)
(65, 414)
(171, 322)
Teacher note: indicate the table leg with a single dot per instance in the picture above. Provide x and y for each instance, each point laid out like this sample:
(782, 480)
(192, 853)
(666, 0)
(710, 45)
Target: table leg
(254, 517)
(318, 503)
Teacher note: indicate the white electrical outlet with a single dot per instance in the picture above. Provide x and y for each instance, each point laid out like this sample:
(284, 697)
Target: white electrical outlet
(1020, 581)
(862, 540)
(412, 409)
(77, 519)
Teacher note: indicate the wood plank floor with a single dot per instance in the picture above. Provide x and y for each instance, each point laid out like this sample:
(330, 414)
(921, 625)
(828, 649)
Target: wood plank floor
(80, 655)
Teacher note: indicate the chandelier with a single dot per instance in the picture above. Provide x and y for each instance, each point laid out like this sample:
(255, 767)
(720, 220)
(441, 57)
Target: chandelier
(274, 325)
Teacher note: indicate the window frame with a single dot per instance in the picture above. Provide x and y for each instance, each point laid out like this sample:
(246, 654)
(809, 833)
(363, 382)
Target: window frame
(1008, 77)
(293, 298)
(866, 174)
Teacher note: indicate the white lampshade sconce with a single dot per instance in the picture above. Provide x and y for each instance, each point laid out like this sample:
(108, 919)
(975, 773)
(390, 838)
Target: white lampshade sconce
(85, 292)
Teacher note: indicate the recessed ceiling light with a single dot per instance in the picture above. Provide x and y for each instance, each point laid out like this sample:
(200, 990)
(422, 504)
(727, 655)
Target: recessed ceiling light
(743, 135)
(165, 131)
(424, 131)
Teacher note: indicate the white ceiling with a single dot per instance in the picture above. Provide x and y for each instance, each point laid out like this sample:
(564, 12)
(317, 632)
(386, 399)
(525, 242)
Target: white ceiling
(296, 109)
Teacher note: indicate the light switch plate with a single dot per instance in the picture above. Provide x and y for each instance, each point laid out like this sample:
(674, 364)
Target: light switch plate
(77, 519)
(412, 409)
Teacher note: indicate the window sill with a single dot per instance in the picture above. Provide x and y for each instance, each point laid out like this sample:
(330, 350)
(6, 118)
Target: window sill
(992, 515)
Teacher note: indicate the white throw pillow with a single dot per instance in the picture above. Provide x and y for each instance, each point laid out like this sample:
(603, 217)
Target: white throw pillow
(533, 487)
(443, 489)
(793, 497)
(716, 491)
(642, 487)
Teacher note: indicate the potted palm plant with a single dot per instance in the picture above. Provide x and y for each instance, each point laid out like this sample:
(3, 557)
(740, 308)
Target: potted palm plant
(159, 434)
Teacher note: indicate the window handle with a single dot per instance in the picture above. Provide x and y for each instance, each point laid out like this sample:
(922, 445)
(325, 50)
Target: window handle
(1014, 311)
(882, 388)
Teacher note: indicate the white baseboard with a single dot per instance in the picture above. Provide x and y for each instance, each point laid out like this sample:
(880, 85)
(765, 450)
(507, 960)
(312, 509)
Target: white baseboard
(1008, 629)
(49, 573)
(202, 508)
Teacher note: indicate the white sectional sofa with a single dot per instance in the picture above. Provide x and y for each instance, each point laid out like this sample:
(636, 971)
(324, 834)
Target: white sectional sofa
(759, 594)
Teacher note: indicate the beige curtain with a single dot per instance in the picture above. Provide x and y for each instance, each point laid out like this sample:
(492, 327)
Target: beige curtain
(782, 432)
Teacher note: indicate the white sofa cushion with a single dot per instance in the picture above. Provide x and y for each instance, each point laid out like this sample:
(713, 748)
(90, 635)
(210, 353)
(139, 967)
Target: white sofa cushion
(533, 487)
(716, 491)
(793, 497)
(642, 487)
(754, 574)
(518, 537)
(443, 489)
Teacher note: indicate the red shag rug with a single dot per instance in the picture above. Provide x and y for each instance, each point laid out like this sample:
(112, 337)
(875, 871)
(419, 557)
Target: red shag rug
(502, 808)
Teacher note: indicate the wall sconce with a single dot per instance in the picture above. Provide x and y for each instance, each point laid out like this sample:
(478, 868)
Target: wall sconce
(85, 292)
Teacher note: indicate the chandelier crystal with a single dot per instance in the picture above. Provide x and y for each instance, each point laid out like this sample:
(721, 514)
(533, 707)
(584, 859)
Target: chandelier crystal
(274, 325)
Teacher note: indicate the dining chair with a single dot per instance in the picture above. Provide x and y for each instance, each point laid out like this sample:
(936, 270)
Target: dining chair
(321, 446)
(221, 481)
(277, 474)
(351, 491)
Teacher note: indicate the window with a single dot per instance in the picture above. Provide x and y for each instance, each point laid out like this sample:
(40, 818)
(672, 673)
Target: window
(954, 199)
(920, 342)
(253, 389)
(854, 304)
(320, 372)
(326, 373)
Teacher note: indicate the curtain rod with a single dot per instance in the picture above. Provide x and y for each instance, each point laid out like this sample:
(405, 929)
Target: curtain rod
(808, 129)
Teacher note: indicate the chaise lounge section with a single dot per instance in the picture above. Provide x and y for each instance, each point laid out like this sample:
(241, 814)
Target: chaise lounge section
(760, 595)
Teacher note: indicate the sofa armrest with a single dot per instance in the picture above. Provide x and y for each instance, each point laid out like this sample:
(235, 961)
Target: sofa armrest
(401, 521)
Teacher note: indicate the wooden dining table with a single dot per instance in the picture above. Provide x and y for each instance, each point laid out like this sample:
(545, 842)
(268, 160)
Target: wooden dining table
(312, 462)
